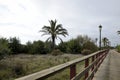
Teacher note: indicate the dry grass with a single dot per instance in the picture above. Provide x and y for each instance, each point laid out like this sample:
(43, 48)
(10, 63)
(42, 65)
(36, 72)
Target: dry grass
(24, 64)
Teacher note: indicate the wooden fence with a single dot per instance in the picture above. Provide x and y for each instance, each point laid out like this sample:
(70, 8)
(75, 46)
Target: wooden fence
(88, 73)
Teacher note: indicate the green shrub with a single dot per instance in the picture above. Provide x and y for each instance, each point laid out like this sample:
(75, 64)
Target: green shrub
(89, 45)
(56, 52)
(118, 48)
(15, 45)
(19, 69)
(63, 46)
(37, 47)
(5, 74)
(4, 50)
(86, 52)
(73, 46)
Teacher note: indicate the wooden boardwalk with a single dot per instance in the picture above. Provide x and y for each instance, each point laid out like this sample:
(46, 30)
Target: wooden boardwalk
(110, 68)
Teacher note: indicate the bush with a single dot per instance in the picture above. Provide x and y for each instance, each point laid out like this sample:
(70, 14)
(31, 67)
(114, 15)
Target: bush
(86, 52)
(19, 69)
(5, 74)
(4, 50)
(37, 47)
(90, 46)
(118, 48)
(5, 71)
(63, 47)
(56, 52)
(73, 46)
(15, 45)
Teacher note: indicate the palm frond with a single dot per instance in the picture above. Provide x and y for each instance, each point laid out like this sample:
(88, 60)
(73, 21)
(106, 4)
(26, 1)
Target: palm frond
(64, 33)
(45, 34)
(46, 27)
(61, 30)
(59, 26)
(43, 31)
(53, 24)
(60, 39)
(48, 39)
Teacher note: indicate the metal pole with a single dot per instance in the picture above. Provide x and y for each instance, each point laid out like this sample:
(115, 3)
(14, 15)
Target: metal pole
(100, 28)
(100, 39)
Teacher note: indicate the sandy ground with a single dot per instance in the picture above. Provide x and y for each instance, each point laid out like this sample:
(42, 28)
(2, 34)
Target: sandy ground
(110, 68)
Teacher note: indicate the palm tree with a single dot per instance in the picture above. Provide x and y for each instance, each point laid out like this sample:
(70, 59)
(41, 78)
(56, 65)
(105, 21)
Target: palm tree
(54, 30)
(96, 39)
(105, 41)
(118, 32)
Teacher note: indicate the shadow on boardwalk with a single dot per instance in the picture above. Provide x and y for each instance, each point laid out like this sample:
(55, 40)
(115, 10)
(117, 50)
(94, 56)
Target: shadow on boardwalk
(110, 68)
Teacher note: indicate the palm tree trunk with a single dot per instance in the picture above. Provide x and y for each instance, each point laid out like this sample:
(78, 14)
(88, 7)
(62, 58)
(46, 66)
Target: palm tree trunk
(53, 42)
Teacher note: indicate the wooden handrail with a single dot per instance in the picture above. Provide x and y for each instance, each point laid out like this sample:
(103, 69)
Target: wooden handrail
(72, 64)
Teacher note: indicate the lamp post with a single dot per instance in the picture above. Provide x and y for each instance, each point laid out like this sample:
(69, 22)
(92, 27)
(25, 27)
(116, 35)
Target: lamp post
(100, 28)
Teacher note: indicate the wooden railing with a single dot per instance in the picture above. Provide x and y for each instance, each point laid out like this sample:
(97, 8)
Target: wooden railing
(96, 58)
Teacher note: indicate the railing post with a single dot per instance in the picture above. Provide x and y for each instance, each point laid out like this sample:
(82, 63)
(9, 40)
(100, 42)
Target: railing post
(92, 61)
(86, 64)
(103, 56)
(72, 71)
(99, 56)
(96, 56)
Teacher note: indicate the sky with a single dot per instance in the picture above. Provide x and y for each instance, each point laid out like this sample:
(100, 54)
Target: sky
(24, 18)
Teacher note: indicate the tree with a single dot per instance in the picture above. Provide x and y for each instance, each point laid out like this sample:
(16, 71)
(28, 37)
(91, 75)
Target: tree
(82, 39)
(90, 46)
(73, 46)
(29, 47)
(96, 39)
(118, 48)
(118, 32)
(48, 46)
(38, 47)
(4, 49)
(54, 30)
(63, 46)
(105, 41)
(15, 45)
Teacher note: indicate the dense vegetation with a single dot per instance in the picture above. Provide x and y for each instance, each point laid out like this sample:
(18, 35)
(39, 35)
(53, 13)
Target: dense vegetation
(14, 46)
(118, 48)
(4, 48)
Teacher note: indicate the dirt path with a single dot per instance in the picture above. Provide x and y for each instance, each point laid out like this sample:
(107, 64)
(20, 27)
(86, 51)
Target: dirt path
(110, 68)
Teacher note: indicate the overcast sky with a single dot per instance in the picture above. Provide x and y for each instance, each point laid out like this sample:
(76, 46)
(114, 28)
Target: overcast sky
(24, 18)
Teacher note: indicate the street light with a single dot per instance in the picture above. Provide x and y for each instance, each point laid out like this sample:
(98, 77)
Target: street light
(100, 28)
